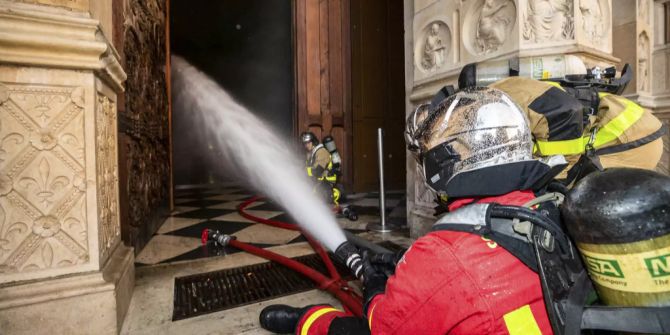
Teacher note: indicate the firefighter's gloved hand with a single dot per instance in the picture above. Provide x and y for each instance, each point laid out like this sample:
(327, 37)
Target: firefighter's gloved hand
(386, 262)
(374, 280)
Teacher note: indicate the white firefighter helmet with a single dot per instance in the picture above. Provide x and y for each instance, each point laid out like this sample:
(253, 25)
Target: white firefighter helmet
(475, 143)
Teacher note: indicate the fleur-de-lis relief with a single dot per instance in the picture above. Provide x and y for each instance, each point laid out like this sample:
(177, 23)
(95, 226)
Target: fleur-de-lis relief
(43, 106)
(45, 186)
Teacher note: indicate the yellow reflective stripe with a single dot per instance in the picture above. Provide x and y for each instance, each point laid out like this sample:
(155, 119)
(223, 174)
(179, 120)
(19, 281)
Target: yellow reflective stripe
(310, 320)
(372, 310)
(522, 322)
(608, 133)
(309, 171)
(613, 129)
(555, 84)
(565, 147)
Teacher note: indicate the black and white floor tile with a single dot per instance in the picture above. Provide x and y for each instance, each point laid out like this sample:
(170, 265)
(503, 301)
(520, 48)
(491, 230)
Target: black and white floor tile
(198, 208)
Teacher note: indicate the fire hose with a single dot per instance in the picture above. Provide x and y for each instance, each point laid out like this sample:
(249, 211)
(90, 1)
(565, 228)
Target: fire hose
(334, 284)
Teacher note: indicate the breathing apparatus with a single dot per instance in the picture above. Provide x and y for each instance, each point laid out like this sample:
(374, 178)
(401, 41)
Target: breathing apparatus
(443, 139)
(567, 70)
(329, 143)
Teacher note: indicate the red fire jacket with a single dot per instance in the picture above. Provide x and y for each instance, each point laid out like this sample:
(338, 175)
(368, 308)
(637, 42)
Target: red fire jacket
(459, 283)
(453, 283)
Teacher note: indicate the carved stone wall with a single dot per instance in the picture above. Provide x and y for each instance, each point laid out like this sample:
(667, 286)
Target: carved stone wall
(60, 247)
(42, 205)
(143, 121)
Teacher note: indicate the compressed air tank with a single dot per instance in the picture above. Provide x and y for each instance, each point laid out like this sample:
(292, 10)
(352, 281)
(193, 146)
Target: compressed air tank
(329, 143)
(620, 222)
(544, 67)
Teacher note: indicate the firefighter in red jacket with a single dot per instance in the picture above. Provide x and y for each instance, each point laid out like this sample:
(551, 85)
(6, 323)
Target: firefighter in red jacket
(475, 147)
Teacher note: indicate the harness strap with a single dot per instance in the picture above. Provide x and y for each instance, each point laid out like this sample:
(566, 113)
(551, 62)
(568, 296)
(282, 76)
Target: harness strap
(634, 144)
(648, 320)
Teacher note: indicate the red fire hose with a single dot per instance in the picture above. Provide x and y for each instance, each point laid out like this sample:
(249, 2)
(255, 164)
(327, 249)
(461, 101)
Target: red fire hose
(334, 284)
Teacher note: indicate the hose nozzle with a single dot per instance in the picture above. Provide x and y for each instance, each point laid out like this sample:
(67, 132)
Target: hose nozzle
(216, 236)
(348, 254)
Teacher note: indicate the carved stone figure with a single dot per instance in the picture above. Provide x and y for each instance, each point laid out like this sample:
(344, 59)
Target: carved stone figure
(643, 62)
(433, 49)
(549, 20)
(495, 21)
(592, 19)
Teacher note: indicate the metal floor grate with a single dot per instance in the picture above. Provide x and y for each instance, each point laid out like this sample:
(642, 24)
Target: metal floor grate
(220, 290)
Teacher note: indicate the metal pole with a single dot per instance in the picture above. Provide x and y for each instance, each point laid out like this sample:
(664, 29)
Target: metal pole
(381, 227)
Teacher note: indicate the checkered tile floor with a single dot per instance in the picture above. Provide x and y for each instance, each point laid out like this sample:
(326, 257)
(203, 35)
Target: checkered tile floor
(197, 208)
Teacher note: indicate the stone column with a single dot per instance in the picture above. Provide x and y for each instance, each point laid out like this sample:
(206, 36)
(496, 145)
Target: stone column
(448, 34)
(653, 65)
(63, 267)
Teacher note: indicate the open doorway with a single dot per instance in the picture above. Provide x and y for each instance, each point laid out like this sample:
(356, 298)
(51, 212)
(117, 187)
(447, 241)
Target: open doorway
(246, 47)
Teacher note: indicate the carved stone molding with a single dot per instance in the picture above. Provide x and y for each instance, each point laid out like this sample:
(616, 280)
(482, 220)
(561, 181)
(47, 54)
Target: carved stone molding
(107, 174)
(548, 21)
(42, 178)
(488, 25)
(433, 47)
(79, 5)
(643, 10)
(52, 38)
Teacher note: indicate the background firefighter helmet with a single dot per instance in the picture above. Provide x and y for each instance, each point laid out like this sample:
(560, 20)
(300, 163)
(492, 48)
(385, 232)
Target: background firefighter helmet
(307, 137)
(475, 143)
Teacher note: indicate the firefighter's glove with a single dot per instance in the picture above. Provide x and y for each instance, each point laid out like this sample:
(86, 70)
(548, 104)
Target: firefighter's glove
(386, 262)
(374, 280)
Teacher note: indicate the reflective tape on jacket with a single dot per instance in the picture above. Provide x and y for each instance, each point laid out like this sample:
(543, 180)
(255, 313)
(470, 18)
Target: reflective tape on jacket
(607, 133)
(522, 322)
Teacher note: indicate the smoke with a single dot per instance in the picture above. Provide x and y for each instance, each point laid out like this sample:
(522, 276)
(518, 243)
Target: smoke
(253, 151)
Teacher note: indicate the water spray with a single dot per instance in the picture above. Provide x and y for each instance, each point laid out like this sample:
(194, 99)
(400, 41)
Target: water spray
(257, 154)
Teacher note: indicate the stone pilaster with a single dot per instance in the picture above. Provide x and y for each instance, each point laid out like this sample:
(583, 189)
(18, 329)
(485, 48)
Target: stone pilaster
(62, 263)
(448, 34)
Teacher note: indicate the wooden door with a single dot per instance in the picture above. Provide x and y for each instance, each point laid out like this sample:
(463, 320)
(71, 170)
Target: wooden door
(322, 57)
(378, 91)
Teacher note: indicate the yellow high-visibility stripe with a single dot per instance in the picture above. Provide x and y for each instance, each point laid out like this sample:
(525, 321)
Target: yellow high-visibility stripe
(555, 84)
(613, 129)
(309, 171)
(310, 320)
(608, 133)
(372, 310)
(522, 322)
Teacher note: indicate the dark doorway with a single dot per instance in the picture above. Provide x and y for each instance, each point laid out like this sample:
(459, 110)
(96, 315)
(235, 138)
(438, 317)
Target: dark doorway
(378, 91)
(246, 46)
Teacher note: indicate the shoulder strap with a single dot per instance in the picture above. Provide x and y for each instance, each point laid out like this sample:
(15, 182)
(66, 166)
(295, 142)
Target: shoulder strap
(647, 320)
(475, 219)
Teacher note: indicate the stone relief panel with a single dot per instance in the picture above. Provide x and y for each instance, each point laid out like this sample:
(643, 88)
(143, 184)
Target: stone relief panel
(432, 48)
(596, 24)
(643, 60)
(107, 173)
(488, 25)
(548, 21)
(42, 178)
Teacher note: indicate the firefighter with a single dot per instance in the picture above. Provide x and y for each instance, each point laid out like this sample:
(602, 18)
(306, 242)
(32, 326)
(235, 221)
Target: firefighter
(592, 129)
(319, 166)
(476, 148)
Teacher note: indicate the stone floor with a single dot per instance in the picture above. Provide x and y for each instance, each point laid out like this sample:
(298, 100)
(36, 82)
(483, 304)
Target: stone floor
(176, 251)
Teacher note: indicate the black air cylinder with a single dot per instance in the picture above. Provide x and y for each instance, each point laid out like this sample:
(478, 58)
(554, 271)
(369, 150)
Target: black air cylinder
(620, 221)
